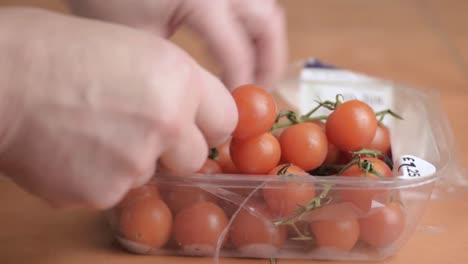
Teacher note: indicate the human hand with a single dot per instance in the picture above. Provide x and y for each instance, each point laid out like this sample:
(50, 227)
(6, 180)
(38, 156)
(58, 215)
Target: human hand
(88, 108)
(247, 38)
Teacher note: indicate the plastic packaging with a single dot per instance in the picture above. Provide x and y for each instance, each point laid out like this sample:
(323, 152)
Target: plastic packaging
(421, 151)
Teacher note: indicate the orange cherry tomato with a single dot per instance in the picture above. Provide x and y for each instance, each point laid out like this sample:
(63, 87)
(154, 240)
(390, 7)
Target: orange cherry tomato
(147, 220)
(333, 152)
(179, 197)
(224, 158)
(137, 193)
(305, 145)
(210, 167)
(339, 235)
(333, 211)
(256, 155)
(197, 228)
(284, 198)
(351, 126)
(254, 235)
(333, 155)
(321, 124)
(257, 111)
(381, 140)
(383, 226)
(363, 198)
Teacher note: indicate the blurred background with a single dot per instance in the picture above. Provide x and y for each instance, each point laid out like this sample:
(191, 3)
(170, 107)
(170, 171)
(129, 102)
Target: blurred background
(417, 42)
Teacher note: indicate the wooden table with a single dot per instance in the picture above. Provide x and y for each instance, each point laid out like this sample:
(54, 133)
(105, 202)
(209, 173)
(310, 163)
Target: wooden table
(422, 43)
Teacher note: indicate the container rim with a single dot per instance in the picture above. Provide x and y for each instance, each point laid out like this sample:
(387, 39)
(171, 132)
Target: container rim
(252, 181)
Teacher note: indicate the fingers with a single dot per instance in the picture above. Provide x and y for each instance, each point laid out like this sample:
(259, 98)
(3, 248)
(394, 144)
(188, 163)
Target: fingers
(188, 154)
(226, 40)
(217, 113)
(265, 24)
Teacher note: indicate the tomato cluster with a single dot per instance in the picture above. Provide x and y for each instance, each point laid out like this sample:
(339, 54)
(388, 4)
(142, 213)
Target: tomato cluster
(286, 149)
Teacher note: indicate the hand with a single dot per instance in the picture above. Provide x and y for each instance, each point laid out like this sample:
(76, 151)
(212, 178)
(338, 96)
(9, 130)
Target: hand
(247, 38)
(88, 108)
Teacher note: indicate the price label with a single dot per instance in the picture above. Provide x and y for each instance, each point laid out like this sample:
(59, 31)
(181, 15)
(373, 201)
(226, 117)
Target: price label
(411, 167)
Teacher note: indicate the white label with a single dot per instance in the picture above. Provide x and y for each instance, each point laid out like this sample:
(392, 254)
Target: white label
(411, 167)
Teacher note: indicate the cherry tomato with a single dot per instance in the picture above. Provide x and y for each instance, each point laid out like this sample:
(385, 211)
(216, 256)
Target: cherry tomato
(137, 193)
(363, 198)
(210, 167)
(224, 158)
(257, 111)
(333, 155)
(302, 226)
(257, 235)
(339, 235)
(305, 145)
(179, 197)
(333, 211)
(321, 124)
(284, 198)
(383, 225)
(344, 157)
(381, 140)
(197, 228)
(351, 126)
(256, 155)
(147, 220)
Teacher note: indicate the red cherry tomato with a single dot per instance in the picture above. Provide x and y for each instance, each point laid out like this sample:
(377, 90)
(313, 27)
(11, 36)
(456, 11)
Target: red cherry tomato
(383, 225)
(257, 236)
(351, 126)
(147, 220)
(256, 155)
(257, 111)
(284, 198)
(198, 227)
(224, 158)
(210, 167)
(339, 235)
(381, 140)
(305, 145)
(363, 198)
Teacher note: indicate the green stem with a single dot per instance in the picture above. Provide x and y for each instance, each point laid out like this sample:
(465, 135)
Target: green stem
(301, 120)
(312, 111)
(300, 235)
(383, 113)
(347, 166)
(310, 119)
(372, 153)
(310, 206)
(214, 154)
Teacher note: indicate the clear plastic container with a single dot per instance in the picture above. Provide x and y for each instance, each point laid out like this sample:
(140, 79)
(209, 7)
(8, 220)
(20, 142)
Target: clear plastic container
(253, 232)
